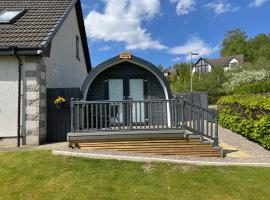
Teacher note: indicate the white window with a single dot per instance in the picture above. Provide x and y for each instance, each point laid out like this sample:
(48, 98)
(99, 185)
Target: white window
(8, 16)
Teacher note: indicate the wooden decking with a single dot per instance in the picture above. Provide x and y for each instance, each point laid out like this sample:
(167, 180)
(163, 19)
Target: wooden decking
(158, 146)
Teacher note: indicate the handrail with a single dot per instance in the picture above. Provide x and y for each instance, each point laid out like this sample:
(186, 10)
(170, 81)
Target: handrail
(123, 101)
(177, 113)
(201, 121)
(199, 106)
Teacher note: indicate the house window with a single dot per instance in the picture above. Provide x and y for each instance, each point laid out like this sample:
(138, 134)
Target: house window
(77, 47)
(9, 16)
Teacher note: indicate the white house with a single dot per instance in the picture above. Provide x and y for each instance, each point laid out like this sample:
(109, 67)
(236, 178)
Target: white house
(43, 45)
(204, 65)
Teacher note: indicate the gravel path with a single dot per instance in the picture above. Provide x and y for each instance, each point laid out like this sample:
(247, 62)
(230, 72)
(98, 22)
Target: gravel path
(242, 144)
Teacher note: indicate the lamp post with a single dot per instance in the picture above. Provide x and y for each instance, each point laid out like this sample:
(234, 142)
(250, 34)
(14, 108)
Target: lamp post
(191, 69)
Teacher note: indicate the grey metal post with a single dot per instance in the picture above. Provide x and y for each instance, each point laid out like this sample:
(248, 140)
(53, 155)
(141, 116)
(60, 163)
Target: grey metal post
(216, 130)
(191, 86)
(191, 70)
(72, 114)
(182, 106)
(130, 102)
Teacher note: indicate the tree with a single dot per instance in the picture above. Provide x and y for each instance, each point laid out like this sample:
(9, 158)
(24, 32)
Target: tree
(235, 42)
(160, 67)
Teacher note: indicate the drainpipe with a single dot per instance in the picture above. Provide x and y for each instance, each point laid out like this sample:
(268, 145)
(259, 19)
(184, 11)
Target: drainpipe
(14, 52)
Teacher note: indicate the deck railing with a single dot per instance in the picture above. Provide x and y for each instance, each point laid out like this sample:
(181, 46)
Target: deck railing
(125, 115)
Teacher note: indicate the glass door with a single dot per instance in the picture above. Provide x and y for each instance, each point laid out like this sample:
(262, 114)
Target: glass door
(136, 92)
(116, 93)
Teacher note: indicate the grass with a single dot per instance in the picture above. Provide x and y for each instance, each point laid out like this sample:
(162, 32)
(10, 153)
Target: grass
(40, 175)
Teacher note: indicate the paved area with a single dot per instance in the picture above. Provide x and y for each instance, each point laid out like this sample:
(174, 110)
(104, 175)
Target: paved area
(59, 145)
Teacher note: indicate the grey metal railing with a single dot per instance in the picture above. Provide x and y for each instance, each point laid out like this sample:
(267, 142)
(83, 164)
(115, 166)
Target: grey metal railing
(176, 113)
(201, 121)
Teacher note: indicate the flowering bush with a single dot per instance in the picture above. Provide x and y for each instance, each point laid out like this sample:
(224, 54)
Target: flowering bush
(59, 100)
(245, 77)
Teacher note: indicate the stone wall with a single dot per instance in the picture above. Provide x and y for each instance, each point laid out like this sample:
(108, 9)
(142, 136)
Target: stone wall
(34, 101)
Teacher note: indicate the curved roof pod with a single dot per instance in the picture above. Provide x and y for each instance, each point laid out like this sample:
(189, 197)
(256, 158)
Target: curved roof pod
(134, 60)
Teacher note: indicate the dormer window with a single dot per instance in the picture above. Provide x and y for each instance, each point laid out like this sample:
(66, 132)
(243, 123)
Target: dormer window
(9, 16)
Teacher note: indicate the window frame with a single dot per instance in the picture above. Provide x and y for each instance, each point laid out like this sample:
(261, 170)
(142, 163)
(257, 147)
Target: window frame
(13, 19)
(77, 53)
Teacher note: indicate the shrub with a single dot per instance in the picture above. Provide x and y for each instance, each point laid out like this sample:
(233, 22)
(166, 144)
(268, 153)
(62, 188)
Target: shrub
(248, 115)
(245, 77)
(253, 88)
(255, 130)
(250, 101)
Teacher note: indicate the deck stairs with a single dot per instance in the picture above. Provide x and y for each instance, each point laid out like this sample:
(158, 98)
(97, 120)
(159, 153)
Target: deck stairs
(148, 143)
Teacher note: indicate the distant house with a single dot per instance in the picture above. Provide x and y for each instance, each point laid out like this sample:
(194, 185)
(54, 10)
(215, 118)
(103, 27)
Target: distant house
(43, 45)
(204, 65)
(171, 73)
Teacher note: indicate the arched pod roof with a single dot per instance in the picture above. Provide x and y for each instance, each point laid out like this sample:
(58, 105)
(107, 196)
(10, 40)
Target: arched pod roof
(134, 60)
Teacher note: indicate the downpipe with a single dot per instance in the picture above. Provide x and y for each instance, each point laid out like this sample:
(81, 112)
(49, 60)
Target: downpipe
(14, 52)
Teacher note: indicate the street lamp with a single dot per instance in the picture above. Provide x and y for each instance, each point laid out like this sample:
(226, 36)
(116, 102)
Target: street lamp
(191, 73)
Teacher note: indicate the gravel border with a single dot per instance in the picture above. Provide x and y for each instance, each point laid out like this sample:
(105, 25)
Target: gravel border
(114, 155)
(241, 143)
(258, 155)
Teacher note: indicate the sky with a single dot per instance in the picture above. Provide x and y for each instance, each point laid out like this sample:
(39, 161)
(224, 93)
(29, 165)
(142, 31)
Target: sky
(164, 31)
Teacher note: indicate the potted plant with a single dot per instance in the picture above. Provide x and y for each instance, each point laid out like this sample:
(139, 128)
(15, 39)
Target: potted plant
(59, 102)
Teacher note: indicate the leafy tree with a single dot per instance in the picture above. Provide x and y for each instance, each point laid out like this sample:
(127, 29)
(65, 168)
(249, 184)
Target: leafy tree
(160, 67)
(181, 85)
(254, 49)
(235, 42)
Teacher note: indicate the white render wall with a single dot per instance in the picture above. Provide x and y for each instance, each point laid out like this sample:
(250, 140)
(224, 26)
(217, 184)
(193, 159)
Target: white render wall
(63, 69)
(8, 96)
(33, 104)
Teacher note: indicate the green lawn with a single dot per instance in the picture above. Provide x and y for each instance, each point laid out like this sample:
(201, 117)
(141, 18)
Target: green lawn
(40, 175)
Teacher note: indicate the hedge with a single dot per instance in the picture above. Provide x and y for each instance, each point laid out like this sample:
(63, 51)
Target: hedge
(249, 101)
(253, 88)
(250, 119)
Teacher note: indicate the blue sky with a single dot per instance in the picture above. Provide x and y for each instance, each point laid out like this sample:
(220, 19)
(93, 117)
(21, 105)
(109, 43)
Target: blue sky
(164, 31)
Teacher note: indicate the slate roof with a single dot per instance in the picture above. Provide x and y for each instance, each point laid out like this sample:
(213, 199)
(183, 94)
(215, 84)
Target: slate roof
(34, 27)
(38, 25)
(224, 61)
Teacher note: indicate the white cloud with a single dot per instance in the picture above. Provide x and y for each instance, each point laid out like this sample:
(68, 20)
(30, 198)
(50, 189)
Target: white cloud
(121, 21)
(105, 48)
(184, 7)
(257, 3)
(220, 7)
(196, 45)
(177, 59)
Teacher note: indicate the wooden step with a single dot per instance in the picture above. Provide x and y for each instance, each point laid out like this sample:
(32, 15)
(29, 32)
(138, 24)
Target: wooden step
(138, 140)
(156, 146)
(147, 146)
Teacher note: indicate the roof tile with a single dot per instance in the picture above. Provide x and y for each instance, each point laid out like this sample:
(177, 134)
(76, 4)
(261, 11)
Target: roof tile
(32, 29)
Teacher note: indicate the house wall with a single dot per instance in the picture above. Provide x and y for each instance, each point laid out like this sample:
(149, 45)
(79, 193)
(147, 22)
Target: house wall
(33, 104)
(63, 69)
(9, 95)
(34, 101)
(202, 65)
(232, 62)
